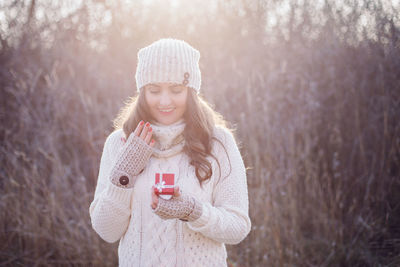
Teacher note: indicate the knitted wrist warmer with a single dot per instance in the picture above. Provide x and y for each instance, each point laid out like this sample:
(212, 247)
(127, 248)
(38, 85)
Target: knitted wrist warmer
(131, 160)
(184, 207)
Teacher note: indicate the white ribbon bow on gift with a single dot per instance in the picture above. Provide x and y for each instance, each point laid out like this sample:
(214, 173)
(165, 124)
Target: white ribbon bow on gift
(162, 185)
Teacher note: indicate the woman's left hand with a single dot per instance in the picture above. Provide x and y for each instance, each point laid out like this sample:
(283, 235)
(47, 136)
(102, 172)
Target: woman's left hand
(180, 206)
(154, 197)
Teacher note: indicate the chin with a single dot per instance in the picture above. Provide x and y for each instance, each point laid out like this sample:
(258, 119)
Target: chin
(166, 122)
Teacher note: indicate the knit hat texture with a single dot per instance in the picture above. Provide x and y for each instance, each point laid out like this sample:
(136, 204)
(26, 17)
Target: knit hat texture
(168, 60)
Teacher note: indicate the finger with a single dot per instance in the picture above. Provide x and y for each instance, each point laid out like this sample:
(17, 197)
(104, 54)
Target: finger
(138, 128)
(148, 136)
(154, 198)
(152, 143)
(177, 191)
(144, 131)
(153, 201)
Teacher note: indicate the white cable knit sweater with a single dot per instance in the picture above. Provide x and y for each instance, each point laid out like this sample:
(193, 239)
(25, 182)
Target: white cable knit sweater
(147, 240)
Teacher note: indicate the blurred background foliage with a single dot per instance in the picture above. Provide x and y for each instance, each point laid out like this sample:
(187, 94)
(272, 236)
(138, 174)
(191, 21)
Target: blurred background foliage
(311, 86)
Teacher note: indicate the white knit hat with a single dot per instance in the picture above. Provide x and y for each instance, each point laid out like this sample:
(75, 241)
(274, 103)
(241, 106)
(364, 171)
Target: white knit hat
(168, 60)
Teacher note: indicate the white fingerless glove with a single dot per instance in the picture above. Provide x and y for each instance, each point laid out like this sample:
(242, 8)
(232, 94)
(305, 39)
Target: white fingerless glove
(131, 160)
(184, 207)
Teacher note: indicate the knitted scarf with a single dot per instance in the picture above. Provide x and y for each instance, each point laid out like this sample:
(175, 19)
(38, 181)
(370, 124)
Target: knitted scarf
(169, 139)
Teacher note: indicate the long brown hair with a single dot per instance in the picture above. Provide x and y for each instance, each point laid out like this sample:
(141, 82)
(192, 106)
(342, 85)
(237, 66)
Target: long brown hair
(200, 119)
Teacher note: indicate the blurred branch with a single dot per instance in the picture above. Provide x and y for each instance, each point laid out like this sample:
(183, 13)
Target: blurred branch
(31, 12)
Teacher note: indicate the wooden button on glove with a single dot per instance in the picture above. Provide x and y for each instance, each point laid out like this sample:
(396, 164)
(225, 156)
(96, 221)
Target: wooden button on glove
(123, 180)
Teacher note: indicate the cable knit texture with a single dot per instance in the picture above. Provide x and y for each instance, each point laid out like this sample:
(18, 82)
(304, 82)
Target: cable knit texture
(145, 239)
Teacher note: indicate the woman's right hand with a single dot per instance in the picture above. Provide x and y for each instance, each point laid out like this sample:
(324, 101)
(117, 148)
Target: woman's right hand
(144, 132)
(133, 156)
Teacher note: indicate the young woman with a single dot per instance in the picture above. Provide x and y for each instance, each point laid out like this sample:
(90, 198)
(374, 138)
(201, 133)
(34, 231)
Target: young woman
(168, 128)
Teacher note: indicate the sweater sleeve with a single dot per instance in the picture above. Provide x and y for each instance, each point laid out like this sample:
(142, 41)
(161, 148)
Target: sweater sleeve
(227, 219)
(110, 209)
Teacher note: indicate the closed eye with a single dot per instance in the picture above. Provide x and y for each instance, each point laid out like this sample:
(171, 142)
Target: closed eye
(177, 91)
(153, 90)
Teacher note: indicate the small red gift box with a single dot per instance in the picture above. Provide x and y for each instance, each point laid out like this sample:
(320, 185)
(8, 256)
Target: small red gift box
(166, 185)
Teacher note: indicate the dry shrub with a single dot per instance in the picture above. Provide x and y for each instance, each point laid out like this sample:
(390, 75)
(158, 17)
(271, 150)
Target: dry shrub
(315, 99)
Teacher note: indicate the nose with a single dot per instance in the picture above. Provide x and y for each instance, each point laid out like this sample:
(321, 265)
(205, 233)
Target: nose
(165, 99)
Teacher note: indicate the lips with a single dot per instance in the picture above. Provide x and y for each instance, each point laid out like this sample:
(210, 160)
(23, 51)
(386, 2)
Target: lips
(166, 111)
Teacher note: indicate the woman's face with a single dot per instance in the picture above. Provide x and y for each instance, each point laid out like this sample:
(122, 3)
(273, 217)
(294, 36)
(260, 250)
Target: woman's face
(166, 101)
